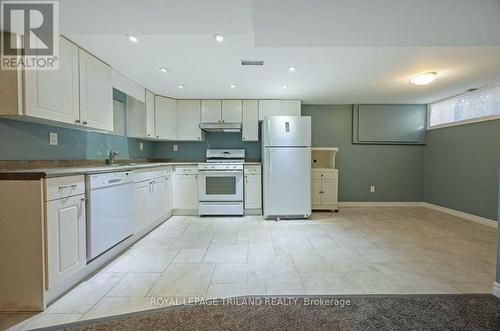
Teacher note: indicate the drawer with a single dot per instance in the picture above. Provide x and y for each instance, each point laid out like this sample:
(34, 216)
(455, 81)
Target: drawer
(325, 173)
(186, 170)
(63, 187)
(252, 170)
(151, 173)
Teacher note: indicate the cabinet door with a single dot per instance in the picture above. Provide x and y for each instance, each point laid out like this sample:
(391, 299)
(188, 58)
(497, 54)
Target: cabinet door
(330, 189)
(66, 241)
(159, 197)
(268, 108)
(142, 205)
(253, 192)
(211, 111)
(290, 107)
(250, 122)
(169, 203)
(189, 116)
(54, 94)
(186, 192)
(165, 118)
(96, 93)
(150, 114)
(316, 192)
(231, 111)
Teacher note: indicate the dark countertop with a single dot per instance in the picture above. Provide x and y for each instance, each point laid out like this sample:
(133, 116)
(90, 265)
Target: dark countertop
(39, 173)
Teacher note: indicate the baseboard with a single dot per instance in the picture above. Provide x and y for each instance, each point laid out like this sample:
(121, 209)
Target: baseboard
(496, 289)
(185, 212)
(252, 212)
(461, 214)
(353, 204)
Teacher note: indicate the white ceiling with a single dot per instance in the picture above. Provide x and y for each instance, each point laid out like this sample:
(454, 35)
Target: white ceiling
(346, 51)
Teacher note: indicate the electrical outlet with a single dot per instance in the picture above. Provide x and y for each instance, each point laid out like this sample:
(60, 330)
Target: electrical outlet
(372, 189)
(53, 139)
(175, 148)
(141, 146)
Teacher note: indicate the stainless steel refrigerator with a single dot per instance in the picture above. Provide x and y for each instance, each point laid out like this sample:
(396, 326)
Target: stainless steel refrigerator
(286, 158)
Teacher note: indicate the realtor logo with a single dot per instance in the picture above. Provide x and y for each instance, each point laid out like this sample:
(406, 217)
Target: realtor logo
(30, 35)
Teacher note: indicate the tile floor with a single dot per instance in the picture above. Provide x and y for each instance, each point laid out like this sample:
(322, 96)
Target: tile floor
(358, 251)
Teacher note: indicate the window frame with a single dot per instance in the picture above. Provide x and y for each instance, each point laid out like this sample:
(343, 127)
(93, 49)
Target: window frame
(462, 122)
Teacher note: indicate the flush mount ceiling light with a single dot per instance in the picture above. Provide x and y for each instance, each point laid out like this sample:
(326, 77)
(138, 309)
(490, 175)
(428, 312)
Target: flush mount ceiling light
(218, 37)
(284, 86)
(132, 38)
(163, 69)
(180, 86)
(292, 68)
(425, 78)
(232, 86)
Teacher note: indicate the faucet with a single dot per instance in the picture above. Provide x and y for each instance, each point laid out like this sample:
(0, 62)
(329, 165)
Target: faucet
(112, 156)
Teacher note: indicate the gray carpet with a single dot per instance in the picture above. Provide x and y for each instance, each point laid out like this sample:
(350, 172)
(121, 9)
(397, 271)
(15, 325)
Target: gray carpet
(396, 312)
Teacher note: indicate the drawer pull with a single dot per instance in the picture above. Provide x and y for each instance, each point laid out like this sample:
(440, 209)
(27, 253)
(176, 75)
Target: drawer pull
(68, 186)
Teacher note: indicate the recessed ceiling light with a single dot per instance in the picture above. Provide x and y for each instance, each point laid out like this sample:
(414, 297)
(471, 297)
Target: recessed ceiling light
(132, 38)
(424, 79)
(180, 86)
(218, 37)
(284, 86)
(163, 69)
(292, 68)
(232, 86)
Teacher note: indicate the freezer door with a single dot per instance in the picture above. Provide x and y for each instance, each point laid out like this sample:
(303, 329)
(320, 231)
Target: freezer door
(287, 182)
(281, 131)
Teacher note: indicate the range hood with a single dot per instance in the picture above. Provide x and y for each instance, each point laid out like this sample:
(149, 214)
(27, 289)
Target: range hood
(221, 127)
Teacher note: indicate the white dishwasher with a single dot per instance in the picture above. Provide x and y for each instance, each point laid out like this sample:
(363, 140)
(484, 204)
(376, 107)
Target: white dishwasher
(110, 211)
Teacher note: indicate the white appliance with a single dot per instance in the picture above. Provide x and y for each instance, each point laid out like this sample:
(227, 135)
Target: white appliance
(110, 211)
(221, 182)
(286, 158)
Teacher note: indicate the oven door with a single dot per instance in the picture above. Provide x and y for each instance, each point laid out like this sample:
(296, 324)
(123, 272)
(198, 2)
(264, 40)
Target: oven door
(220, 185)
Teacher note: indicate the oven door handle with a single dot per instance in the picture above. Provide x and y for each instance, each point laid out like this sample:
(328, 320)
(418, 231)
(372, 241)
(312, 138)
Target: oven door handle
(237, 172)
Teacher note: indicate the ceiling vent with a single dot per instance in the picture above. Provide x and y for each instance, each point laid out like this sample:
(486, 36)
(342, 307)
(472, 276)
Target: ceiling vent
(252, 62)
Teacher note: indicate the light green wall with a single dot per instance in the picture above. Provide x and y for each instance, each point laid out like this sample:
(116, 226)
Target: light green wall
(395, 170)
(461, 168)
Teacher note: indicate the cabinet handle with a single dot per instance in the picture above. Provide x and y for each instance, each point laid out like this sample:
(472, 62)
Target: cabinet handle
(77, 121)
(83, 199)
(157, 137)
(149, 135)
(84, 122)
(68, 186)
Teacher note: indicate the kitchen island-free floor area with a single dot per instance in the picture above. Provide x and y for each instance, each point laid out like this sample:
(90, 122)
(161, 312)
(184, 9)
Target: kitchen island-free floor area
(357, 251)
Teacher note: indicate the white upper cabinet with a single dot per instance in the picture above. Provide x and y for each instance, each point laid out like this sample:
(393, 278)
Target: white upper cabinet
(250, 120)
(165, 118)
(231, 111)
(189, 117)
(127, 86)
(290, 107)
(269, 108)
(211, 111)
(54, 94)
(150, 114)
(96, 93)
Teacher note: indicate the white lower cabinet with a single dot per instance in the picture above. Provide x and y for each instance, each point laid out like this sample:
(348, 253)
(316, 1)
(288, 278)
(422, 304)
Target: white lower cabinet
(186, 188)
(253, 188)
(66, 239)
(151, 197)
(324, 193)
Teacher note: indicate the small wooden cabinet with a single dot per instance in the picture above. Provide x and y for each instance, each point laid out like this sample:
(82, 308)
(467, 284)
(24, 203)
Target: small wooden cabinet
(253, 189)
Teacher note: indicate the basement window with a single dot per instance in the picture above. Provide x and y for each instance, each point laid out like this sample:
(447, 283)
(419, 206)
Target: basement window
(476, 106)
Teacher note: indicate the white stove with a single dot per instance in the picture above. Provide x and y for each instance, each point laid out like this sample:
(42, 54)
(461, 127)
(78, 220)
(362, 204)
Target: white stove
(221, 182)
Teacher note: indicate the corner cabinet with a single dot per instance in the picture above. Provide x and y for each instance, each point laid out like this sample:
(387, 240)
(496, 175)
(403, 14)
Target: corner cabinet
(188, 119)
(96, 93)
